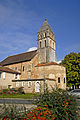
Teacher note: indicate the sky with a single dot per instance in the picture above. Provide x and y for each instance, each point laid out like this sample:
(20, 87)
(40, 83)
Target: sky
(20, 20)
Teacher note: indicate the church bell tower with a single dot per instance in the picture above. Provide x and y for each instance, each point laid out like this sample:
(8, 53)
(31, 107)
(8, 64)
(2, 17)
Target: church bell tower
(46, 44)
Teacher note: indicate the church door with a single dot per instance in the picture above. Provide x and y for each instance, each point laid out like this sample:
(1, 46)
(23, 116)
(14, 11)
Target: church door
(38, 86)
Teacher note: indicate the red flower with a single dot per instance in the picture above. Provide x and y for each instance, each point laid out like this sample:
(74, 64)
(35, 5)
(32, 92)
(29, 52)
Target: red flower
(5, 118)
(53, 118)
(41, 113)
(45, 105)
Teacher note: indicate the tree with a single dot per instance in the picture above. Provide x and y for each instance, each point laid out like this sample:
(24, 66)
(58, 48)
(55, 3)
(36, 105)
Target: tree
(72, 64)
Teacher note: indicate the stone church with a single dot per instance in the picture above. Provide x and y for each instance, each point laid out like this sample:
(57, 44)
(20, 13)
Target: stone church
(35, 68)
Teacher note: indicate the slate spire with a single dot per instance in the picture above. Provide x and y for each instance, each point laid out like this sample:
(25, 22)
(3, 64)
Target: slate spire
(45, 26)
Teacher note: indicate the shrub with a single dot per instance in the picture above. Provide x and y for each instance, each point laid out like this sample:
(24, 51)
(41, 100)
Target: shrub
(8, 91)
(11, 112)
(39, 113)
(21, 91)
(55, 105)
(60, 103)
(3, 91)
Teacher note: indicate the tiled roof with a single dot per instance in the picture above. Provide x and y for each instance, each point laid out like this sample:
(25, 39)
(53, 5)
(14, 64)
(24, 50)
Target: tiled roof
(27, 56)
(46, 64)
(6, 69)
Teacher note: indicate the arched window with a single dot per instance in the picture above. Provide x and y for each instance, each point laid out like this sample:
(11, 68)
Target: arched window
(45, 35)
(58, 79)
(40, 44)
(53, 44)
(23, 68)
(64, 80)
(45, 43)
(29, 83)
(41, 36)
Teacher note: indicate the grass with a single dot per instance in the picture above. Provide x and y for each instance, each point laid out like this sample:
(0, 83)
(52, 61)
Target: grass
(22, 96)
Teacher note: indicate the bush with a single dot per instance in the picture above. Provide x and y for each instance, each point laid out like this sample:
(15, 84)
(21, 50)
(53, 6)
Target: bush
(21, 91)
(11, 112)
(4, 91)
(55, 105)
(60, 103)
(8, 91)
(39, 113)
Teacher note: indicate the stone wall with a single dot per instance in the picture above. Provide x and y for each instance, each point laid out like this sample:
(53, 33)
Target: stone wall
(29, 68)
(53, 72)
(5, 82)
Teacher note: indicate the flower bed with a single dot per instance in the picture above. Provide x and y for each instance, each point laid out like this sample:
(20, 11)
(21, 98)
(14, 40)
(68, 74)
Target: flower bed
(60, 103)
(12, 91)
(8, 91)
(39, 113)
(55, 105)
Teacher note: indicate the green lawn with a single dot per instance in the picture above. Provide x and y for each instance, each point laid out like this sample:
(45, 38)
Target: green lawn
(23, 96)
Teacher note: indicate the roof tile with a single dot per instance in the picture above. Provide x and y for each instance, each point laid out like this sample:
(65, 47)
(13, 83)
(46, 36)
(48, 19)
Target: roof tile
(46, 64)
(6, 69)
(27, 56)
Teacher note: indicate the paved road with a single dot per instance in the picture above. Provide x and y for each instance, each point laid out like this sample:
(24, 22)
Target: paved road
(20, 101)
(14, 101)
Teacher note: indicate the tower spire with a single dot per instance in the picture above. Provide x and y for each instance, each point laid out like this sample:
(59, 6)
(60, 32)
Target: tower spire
(45, 19)
(45, 26)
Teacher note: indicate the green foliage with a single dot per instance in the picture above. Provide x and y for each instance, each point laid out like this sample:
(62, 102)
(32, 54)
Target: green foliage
(55, 105)
(23, 96)
(60, 103)
(39, 113)
(11, 112)
(72, 64)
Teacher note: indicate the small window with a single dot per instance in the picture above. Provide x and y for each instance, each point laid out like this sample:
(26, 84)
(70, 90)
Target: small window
(17, 84)
(58, 79)
(41, 36)
(15, 76)
(19, 68)
(45, 43)
(18, 77)
(9, 86)
(45, 35)
(53, 45)
(4, 75)
(29, 84)
(23, 68)
(0, 74)
(40, 44)
(15, 68)
(64, 80)
(23, 84)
